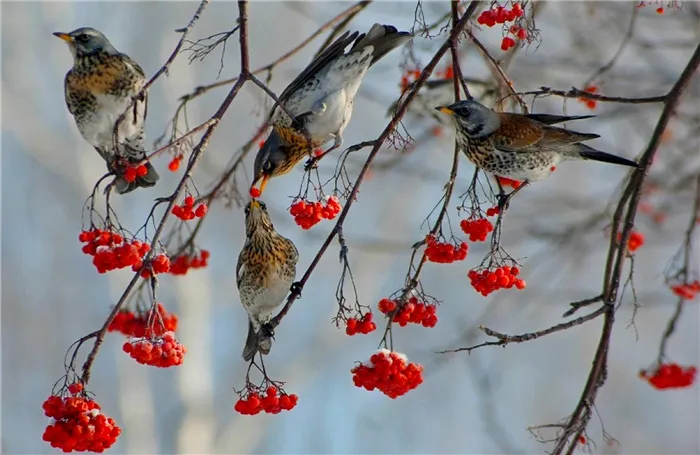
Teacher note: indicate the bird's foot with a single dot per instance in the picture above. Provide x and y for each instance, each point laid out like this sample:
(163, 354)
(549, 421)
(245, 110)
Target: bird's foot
(503, 201)
(267, 331)
(296, 289)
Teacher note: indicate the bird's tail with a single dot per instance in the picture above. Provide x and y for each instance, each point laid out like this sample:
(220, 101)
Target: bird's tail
(589, 153)
(384, 39)
(551, 119)
(255, 341)
(146, 181)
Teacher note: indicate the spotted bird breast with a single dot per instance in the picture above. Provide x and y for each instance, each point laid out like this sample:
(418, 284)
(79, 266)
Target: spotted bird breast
(98, 92)
(266, 275)
(514, 165)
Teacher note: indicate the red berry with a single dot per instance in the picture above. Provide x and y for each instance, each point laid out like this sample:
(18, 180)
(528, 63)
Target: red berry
(254, 192)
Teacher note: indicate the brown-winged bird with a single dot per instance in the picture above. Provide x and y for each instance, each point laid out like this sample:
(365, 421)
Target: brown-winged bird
(265, 274)
(523, 147)
(317, 105)
(98, 90)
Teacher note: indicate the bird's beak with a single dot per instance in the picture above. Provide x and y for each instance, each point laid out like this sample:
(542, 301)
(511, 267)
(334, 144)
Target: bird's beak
(64, 36)
(263, 182)
(445, 110)
(254, 204)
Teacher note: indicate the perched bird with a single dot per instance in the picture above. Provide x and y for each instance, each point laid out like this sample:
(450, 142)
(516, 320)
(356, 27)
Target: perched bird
(521, 147)
(265, 274)
(317, 106)
(98, 90)
(437, 92)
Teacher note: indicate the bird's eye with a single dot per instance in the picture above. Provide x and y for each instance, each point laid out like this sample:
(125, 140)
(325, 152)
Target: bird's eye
(263, 205)
(247, 210)
(83, 38)
(267, 167)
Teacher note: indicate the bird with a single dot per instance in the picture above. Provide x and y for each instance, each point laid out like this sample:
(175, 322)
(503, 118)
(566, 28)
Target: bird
(265, 272)
(317, 105)
(522, 147)
(99, 89)
(441, 91)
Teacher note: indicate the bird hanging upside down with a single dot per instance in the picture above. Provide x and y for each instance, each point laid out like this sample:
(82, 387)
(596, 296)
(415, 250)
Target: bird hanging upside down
(264, 274)
(317, 106)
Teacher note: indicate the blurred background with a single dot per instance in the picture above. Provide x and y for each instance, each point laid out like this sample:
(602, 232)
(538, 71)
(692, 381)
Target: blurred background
(478, 403)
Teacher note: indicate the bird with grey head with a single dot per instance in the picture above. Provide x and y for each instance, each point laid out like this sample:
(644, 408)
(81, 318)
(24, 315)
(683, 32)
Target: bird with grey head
(86, 41)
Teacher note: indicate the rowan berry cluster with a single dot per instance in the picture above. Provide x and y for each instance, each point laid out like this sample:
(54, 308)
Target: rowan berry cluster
(174, 164)
(186, 210)
(307, 214)
(687, 291)
(500, 15)
(590, 104)
(273, 402)
(135, 324)
(158, 351)
(389, 372)
(414, 311)
(670, 376)
(363, 325)
(477, 229)
(488, 281)
(159, 264)
(110, 250)
(180, 265)
(444, 253)
(131, 173)
(78, 425)
(493, 211)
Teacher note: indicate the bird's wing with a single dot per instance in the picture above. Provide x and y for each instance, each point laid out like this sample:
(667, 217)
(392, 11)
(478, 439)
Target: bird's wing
(330, 54)
(240, 269)
(517, 133)
(67, 91)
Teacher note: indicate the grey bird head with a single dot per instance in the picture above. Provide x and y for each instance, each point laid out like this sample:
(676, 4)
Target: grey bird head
(472, 117)
(270, 161)
(256, 218)
(86, 41)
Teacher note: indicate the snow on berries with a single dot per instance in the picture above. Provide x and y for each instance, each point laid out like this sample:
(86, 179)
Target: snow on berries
(444, 253)
(389, 372)
(110, 250)
(307, 214)
(159, 264)
(414, 311)
(158, 351)
(362, 325)
(186, 211)
(487, 281)
(136, 324)
(477, 229)
(273, 401)
(77, 423)
(181, 264)
(670, 376)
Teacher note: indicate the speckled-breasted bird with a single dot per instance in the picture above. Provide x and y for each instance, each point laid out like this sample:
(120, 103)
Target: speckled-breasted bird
(320, 100)
(98, 90)
(265, 274)
(438, 92)
(523, 147)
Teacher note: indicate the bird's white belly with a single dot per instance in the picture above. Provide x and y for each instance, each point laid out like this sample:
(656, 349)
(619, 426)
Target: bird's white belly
(270, 298)
(325, 125)
(99, 129)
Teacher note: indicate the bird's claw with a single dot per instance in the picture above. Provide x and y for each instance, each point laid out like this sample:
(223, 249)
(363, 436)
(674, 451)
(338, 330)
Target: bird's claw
(296, 289)
(267, 331)
(311, 163)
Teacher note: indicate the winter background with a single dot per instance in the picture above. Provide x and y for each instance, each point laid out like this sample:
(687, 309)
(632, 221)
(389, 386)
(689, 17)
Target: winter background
(478, 403)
